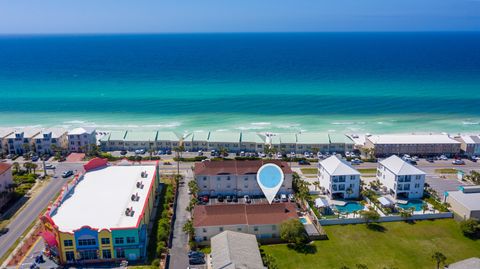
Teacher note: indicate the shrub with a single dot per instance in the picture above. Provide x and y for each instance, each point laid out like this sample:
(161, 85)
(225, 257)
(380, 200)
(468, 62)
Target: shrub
(470, 228)
(293, 232)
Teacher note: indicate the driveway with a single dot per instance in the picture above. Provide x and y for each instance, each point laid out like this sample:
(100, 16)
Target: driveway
(441, 185)
(179, 250)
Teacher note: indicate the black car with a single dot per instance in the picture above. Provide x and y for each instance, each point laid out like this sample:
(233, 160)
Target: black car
(235, 199)
(303, 162)
(220, 198)
(196, 260)
(195, 254)
(67, 174)
(35, 158)
(3, 231)
(229, 198)
(430, 160)
(123, 152)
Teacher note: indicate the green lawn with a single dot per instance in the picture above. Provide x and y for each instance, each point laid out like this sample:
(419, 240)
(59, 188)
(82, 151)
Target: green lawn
(309, 170)
(446, 171)
(400, 245)
(367, 171)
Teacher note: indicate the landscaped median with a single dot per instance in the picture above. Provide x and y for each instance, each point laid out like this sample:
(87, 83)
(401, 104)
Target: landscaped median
(395, 245)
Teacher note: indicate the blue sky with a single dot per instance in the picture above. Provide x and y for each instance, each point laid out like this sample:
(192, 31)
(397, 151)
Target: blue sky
(159, 16)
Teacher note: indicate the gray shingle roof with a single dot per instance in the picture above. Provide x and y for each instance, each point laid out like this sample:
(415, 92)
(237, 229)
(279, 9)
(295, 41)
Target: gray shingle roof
(234, 250)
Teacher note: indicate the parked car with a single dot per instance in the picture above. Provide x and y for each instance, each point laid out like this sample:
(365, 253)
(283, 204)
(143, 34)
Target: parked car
(247, 199)
(430, 159)
(279, 155)
(3, 231)
(356, 161)
(167, 163)
(168, 152)
(123, 152)
(229, 198)
(200, 153)
(458, 162)
(205, 198)
(276, 199)
(10, 156)
(443, 158)
(35, 158)
(160, 152)
(50, 166)
(235, 199)
(473, 159)
(283, 197)
(68, 173)
(412, 162)
(194, 254)
(220, 198)
(303, 162)
(291, 197)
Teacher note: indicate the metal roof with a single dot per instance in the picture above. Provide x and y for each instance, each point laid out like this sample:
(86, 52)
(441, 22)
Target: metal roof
(336, 138)
(168, 136)
(220, 137)
(200, 136)
(313, 138)
(117, 135)
(337, 167)
(82, 130)
(236, 251)
(288, 138)
(253, 137)
(141, 136)
(412, 139)
(400, 167)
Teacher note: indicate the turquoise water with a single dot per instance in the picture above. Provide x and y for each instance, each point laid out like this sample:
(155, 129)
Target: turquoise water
(343, 82)
(350, 207)
(417, 204)
(270, 176)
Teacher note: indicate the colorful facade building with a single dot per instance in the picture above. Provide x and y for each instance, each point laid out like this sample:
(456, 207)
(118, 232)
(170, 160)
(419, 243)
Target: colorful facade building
(103, 214)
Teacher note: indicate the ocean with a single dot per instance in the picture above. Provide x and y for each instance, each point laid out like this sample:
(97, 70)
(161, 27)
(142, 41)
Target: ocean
(336, 82)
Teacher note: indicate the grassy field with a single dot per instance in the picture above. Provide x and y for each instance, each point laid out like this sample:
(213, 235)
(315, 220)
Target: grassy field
(400, 245)
(367, 171)
(310, 171)
(446, 171)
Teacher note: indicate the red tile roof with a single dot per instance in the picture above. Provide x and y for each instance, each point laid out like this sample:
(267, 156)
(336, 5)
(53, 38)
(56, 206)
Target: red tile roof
(236, 167)
(234, 214)
(4, 167)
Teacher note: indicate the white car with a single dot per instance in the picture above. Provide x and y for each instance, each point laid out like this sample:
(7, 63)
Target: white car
(284, 198)
(140, 151)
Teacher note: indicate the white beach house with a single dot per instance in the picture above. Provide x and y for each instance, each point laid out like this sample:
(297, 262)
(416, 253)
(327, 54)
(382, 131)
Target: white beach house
(338, 178)
(81, 139)
(402, 180)
(49, 140)
(21, 141)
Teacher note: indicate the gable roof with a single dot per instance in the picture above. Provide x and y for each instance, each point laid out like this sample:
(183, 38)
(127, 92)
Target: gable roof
(337, 167)
(141, 136)
(221, 137)
(55, 132)
(288, 138)
(400, 167)
(236, 251)
(235, 167)
(336, 138)
(4, 167)
(313, 138)
(82, 130)
(253, 138)
(168, 136)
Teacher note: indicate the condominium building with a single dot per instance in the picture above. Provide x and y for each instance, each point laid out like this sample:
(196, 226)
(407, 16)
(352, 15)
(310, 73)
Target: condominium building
(338, 178)
(103, 214)
(401, 179)
(6, 182)
(252, 142)
(420, 145)
(261, 220)
(236, 177)
(20, 141)
(470, 144)
(312, 142)
(168, 140)
(114, 140)
(196, 141)
(284, 143)
(81, 139)
(340, 143)
(145, 140)
(229, 141)
(50, 140)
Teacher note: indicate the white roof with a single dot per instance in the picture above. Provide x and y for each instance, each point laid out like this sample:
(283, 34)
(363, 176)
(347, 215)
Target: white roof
(99, 200)
(400, 167)
(27, 132)
(56, 132)
(5, 131)
(470, 263)
(337, 167)
(320, 202)
(385, 201)
(82, 130)
(470, 139)
(470, 200)
(412, 139)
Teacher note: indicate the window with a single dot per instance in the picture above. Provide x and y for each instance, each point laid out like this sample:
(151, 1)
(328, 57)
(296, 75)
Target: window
(86, 242)
(417, 185)
(119, 240)
(220, 229)
(105, 241)
(239, 229)
(120, 253)
(204, 178)
(245, 186)
(88, 254)
(255, 228)
(204, 238)
(69, 255)
(130, 240)
(274, 227)
(204, 230)
(68, 243)
(246, 179)
(106, 254)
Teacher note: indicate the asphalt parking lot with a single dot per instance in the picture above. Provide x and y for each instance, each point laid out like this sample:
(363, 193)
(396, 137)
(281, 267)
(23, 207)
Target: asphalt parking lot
(441, 185)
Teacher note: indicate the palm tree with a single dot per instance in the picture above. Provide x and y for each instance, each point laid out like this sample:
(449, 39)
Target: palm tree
(27, 166)
(223, 152)
(349, 192)
(439, 258)
(16, 166)
(188, 228)
(316, 184)
(179, 151)
(26, 148)
(34, 166)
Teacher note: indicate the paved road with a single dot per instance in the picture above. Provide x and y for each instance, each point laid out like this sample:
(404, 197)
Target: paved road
(34, 207)
(179, 250)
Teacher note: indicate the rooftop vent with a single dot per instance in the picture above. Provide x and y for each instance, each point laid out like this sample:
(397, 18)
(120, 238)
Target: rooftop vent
(144, 174)
(135, 197)
(140, 184)
(129, 211)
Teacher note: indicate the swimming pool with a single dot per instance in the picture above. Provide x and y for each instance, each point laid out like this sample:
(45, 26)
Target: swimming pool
(303, 220)
(417, 204)
(349, 207)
